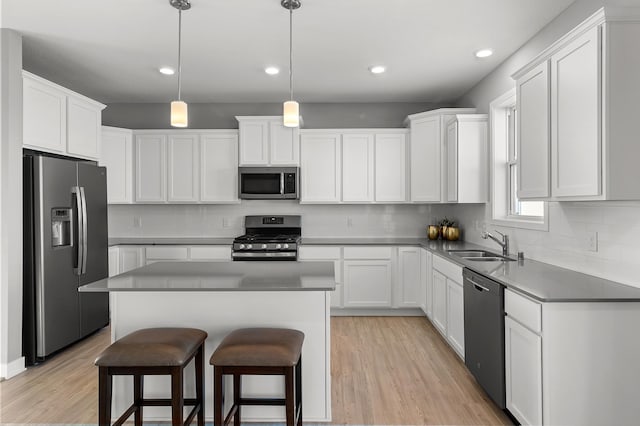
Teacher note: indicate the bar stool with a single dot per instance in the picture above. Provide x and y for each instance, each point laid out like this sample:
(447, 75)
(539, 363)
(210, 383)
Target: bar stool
(153, 351)
(258, 351)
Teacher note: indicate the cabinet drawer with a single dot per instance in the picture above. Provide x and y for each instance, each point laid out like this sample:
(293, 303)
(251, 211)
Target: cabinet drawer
(524, 310)
(210, 253)
(447, 268)
(363, 252)
(167, 253)
(319, 253)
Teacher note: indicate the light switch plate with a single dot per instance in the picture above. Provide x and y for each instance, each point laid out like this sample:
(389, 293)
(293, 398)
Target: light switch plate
(593, 241)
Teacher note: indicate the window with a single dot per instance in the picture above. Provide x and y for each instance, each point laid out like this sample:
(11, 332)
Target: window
(507, 209)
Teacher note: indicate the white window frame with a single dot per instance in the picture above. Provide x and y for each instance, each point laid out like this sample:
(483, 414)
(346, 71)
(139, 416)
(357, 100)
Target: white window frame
(502, 204)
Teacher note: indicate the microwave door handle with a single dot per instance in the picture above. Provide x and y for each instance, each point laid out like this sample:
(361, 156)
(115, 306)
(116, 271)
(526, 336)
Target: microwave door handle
(75, 191)
(281, 183)
(85, 244)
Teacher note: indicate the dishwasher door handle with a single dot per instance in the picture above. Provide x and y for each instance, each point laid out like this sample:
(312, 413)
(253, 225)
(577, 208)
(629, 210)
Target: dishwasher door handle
(478, 286)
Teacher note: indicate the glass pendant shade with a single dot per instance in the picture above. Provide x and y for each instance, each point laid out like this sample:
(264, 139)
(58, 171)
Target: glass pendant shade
(291, 114)
(179, 114)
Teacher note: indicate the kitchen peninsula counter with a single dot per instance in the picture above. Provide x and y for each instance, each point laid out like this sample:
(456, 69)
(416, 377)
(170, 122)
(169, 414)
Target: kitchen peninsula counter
(219, 297)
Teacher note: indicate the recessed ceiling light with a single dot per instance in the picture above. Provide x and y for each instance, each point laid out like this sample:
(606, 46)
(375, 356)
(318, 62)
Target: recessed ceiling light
(377, 69)
(167, 71)
(272, 70)
(484, 53)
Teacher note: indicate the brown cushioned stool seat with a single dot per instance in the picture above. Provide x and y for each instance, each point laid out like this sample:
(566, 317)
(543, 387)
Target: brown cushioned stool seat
(259, 351)
(153, 351)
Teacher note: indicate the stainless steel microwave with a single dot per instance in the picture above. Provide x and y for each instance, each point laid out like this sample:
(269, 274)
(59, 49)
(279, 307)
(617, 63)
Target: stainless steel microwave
(268, 183)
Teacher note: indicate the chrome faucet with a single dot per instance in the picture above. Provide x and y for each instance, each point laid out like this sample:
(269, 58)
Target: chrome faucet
(504, 242)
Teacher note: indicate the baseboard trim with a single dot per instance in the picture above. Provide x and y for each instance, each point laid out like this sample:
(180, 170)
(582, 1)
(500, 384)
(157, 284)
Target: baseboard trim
(377, 312)
(12, 368)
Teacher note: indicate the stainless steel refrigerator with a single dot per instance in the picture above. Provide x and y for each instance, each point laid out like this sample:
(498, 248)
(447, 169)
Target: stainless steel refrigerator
(65, 246)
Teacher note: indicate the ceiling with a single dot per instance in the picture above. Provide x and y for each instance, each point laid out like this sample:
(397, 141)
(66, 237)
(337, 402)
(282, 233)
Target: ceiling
(110, 50)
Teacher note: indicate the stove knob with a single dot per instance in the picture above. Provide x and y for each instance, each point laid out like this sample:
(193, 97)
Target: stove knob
(278, 246)
(241, 246)
(286, 246)
(249, 246)
(264, 246)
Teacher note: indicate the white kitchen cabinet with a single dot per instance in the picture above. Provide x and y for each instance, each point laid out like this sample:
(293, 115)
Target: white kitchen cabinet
(533, 110)
(467, 159)
(130, 257)
(592, 86)
(117, 156)
(324, 254)
(58, 120)
(523, 372)
(320, 166)
(218, 167)
(427, 153)
(448, 302)
(114, 260)
(408, 286)
(151, 168)
(183, 168)
(210, 253)
(84, 121)
(367, 283)
(427, 278)
(455, 316)
(439, 317)
(390, 168)
(357, 167)
(264, 141)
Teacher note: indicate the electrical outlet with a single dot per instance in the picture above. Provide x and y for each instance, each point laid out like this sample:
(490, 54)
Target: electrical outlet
(593, 241)
(137, 222)
(225, 222)
(349, 222)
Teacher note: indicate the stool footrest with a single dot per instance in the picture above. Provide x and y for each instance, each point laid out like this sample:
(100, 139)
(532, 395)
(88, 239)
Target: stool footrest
(159, 402)
(262, 401)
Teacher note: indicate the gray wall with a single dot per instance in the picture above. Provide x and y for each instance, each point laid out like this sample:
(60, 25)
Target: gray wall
(222, 116)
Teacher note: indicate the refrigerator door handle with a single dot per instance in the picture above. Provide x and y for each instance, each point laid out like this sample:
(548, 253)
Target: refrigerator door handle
(79, 221)
(85, 244)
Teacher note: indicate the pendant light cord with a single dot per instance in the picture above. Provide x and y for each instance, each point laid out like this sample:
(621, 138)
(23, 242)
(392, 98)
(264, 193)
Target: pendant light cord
(179, 54)
(291, 49)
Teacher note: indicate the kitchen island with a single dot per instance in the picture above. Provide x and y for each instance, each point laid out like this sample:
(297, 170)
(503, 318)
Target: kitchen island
(219, 297)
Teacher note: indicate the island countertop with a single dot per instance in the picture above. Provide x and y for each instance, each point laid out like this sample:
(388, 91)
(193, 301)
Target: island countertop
(222, 276)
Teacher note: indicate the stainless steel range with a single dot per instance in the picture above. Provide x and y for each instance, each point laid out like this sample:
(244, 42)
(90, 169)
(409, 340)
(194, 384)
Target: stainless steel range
(268, 238)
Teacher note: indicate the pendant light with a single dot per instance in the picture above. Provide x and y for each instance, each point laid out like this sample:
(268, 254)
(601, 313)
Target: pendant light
(291, 109)
(179, 113)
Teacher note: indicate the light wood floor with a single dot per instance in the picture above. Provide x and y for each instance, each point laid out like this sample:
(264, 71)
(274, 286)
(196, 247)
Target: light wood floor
(385, 370)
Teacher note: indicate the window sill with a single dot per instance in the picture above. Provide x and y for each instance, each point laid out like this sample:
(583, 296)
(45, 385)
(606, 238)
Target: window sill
(513, 222)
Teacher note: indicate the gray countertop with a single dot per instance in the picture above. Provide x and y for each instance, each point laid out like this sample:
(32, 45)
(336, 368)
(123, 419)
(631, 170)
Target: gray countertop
(222, 276)
(157, 241)
(541, 281)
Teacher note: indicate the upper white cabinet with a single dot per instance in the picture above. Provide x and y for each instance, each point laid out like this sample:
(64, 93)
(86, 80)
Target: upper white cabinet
(353, 166)
(320, 166)
(588, 82)
(117, 156)
(264, 141)
(428, 154)
(186, 166)
(467, 159)
(533, 106)
(58, 120)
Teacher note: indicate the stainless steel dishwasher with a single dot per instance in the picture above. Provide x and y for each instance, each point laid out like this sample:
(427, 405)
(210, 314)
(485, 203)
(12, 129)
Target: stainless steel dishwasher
(484, 333)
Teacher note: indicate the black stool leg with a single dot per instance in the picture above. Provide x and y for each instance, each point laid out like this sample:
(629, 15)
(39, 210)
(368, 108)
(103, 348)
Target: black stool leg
(138, 391)
(218, 396)
(104, 396)
(200, 384)
(237, 391)
(299, 390)
(177, 398)
(289, 396)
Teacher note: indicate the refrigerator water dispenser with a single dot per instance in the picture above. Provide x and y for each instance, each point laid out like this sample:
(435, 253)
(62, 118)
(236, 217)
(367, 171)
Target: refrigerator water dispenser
(61, 227)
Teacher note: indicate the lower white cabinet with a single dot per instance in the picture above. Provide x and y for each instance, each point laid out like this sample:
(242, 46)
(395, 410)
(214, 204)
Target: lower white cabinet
(114, 254)
(408, 288)
(125, 257)
(523, 372)
(130, 257)
(325, 254)
(426, 263)
(367, 283)
(448, 302)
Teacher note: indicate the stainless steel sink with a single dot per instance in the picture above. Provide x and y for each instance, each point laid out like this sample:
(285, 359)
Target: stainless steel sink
(479, 256)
